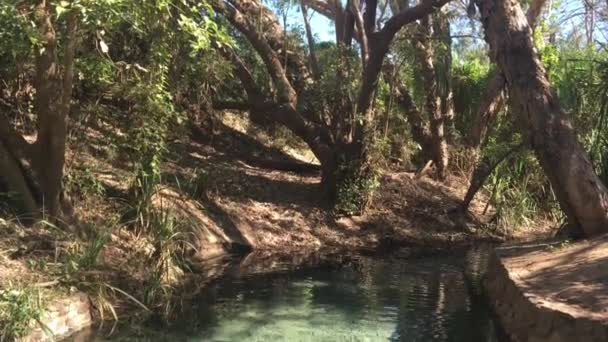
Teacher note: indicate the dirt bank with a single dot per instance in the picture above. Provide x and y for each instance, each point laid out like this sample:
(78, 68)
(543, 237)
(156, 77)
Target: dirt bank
(225, 201)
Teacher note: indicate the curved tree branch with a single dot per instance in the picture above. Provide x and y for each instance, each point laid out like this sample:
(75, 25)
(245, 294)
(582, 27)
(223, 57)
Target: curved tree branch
(271, 59)
(395, 23)
(322, 7)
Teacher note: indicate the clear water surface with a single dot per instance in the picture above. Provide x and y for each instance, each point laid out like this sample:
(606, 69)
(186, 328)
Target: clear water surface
(368, 299)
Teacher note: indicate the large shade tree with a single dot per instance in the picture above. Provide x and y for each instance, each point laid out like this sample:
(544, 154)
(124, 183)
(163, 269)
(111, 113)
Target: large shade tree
(342, 139)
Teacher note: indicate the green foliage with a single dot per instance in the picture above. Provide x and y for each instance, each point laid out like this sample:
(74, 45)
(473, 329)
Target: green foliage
(520, 191)
(356, 181)
(581, 79)
(354, 192)
(84, 256)
(91, 252)
(599, 133)
(17, 32)
(333, 90)
(83, 182)
(19, 308)
(469, 80)
(166, 262)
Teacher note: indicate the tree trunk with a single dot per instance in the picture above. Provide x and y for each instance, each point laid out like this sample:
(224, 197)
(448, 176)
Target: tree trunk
(481, 173)
(35, 171)
(492, 99)
(580, 192)
(425, 54)
(12, 175)
(443, 58)
(419, 129)
(348, 179)
(491, 103)
(53, 97)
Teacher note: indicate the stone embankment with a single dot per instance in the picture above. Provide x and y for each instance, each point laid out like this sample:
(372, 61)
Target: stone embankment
(551, 292)
(61, 319)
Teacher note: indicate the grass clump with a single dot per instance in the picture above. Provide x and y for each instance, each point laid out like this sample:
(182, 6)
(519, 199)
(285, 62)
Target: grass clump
(19, 307)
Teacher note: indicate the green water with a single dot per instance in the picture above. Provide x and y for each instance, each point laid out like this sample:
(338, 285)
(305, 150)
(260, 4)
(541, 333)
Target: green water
(367, 299)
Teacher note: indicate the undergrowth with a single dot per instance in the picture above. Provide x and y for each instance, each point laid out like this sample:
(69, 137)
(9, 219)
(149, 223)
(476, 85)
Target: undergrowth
(20, 306)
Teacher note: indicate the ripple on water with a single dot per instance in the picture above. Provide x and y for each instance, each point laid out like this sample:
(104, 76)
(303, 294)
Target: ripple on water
(368, 300)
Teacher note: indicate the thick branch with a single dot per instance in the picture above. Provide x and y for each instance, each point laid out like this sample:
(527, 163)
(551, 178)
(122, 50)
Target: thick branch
(380, 43)
(68, 75)
(282, 113)
(231, 105)
(349, 26)
(11, 174)
(483, 170)
(271, 60)
(394, 24)
(534, 11)
(321, 7)
(420, 131)
(265, 22)
(254, 94)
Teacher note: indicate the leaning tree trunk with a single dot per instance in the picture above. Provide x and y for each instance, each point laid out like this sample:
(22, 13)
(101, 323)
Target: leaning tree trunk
(314, 63)
(492, 99)
(418, 127)
(580, 192)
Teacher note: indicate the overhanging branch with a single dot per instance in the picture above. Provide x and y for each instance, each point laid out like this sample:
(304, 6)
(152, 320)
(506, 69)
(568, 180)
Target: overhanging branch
(396, 22)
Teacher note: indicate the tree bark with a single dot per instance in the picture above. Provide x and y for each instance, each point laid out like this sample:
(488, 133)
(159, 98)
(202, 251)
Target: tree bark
(54, 93)
(425, 54)
(481, 173)
(493, 99)
(581, 194)
(443, 58)
(35, 171)
(419, 129)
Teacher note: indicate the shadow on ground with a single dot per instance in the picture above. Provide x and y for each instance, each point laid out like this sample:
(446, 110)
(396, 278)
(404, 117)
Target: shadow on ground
(238, 202)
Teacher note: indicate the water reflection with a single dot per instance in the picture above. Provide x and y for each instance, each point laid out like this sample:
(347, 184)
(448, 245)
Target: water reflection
(366, 299)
